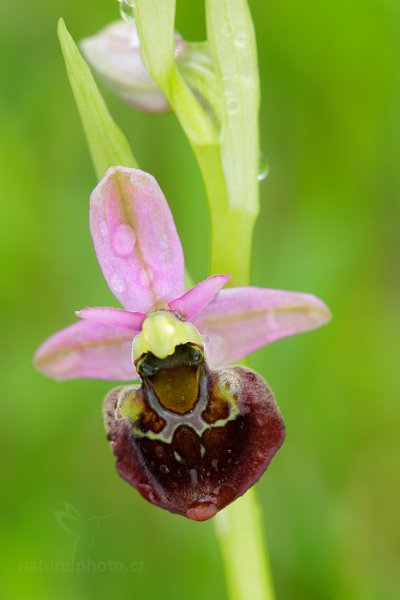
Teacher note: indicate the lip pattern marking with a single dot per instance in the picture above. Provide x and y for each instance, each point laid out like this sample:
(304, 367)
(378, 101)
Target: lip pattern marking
(195, 462)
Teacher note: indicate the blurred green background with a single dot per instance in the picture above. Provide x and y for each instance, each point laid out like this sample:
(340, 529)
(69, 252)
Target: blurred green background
(329, 224)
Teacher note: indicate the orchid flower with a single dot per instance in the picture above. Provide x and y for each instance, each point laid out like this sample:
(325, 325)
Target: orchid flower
(195, 434)
(114, 54)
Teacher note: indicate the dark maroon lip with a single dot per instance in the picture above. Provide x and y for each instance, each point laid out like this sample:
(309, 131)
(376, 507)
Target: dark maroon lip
(193, 457)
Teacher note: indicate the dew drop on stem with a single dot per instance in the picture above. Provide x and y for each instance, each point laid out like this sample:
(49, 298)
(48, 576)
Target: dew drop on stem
(127, 9)
(241, 39)
(263, 167)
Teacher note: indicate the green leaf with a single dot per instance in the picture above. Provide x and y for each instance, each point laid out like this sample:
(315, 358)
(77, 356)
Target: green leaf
(155, 20)
(233, 46)
(108, 145)
(155, 25)
(197, 68)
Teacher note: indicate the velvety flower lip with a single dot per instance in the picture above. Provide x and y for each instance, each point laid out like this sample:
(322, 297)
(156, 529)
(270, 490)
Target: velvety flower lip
(196, 462)
(140, 254)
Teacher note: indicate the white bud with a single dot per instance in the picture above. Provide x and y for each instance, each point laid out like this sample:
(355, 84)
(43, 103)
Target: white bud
(114, 54)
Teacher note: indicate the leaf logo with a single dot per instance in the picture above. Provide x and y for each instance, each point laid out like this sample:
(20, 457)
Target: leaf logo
(83, 530)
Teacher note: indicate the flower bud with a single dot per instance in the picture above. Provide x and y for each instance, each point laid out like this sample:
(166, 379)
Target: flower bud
(114, 54)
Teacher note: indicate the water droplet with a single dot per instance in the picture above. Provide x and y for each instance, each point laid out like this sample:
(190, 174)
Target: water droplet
(123, 240)
(233, 106)
(227, 30)
(117, 285)
(103, 227)
(193, 476)
(178, 457)
(127, 9)
(164, 469)
(263, 167)
(241, 39)
(180, 46)
(159, 451)
(201, 511)
(146, 278)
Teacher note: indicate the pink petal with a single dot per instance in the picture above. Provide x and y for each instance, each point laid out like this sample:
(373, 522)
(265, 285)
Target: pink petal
(135, 239)
(115, 317)
(242, 319)
(87, 350)
(193, 301)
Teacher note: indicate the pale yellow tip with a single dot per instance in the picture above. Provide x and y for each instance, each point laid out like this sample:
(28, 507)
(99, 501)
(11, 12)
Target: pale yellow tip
(161, 333)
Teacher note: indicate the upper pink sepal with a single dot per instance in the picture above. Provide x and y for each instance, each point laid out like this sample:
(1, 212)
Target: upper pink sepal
(87, 350)
(115, 317)
(194, 300)
(243, 319)
(135, 239)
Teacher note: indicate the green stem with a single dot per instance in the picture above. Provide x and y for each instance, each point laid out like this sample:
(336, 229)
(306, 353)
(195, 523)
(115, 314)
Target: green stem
(231, 230)
(239, 530)
(228, 160)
